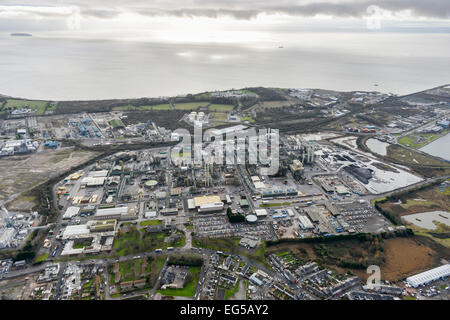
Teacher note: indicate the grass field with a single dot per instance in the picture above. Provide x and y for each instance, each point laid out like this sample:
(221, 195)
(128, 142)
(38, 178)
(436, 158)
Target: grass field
(266, 205)
(116, 123)
(428, 199)
(190, 105)
(41, 258)
(134, 241)
(150, 223)
(220, 116)
(143, 108)
(248, 118)
(211, 107)
(232, 291)
(220, 107)
(130, 270)
(418, 140)
(188, 290)
(407, 156)
(38, 106)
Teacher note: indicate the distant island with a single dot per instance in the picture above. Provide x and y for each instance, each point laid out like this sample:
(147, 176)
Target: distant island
(21, 34)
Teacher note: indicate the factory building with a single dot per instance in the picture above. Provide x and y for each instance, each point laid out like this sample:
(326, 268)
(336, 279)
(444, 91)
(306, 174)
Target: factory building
(76, 231)
(341, 190)
(114, 213)
(169, 211)
(296, 166)
(274, 193)
(261, 213)
(443, 123)
(71, 212)
(305, 223)
(206, 204)
(210, 207)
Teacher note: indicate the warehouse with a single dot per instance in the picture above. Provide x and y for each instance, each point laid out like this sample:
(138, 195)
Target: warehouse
(71, 212)
(305, 223)
(259, 185)
(93, 181)
(429, 276)
(206, 204)
(169, 211)
(198, 201)
(210, 207)
(261, 213)
(290, 212)
(113, 213)
(98, 174)
(341, 190)
(77, 231)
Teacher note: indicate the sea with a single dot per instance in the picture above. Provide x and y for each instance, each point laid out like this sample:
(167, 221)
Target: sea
(59, 68)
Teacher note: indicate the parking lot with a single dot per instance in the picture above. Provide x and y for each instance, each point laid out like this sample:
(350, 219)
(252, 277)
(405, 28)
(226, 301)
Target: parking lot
(218, 226)
(361, 217)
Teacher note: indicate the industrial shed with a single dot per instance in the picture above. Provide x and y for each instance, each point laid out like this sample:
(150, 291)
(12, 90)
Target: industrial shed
(429, 276)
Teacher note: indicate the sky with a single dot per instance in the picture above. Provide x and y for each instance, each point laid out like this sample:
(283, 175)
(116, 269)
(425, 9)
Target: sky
(226, 21)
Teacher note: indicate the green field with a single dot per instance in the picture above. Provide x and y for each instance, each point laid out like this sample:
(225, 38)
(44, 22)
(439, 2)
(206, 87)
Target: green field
(41, 258)
(115, 123)
(38, 106)
(220, 116)
(189, 288)
(150, 223)
(135, 241)
(265, 205)
(407, 156)
(232, 291)
(248, 118)
(220, 107)
(419, 140)
(190, 105)
(143, 108)
(130, 270)
(196, 105)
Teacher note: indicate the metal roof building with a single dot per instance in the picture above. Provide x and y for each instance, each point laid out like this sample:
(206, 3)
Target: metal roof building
(71, 212)
(305, 223)
(261, 213)
(429, 276)
(211, 207)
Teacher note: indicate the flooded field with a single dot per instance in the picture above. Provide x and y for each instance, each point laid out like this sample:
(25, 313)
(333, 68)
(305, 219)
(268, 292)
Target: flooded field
(377, 146)
(425, 219)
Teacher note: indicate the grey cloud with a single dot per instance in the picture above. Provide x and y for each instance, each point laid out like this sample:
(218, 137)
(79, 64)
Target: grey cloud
(248, 9)
(101, 13)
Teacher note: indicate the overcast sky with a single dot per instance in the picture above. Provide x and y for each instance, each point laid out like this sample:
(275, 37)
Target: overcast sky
(226, 20)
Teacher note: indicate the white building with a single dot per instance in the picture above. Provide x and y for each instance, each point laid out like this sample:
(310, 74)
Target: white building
(112, 213)
(261, 213)
(71, 212)
(76, 231)
(305, 223)
(429, 276)
(211, 207)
